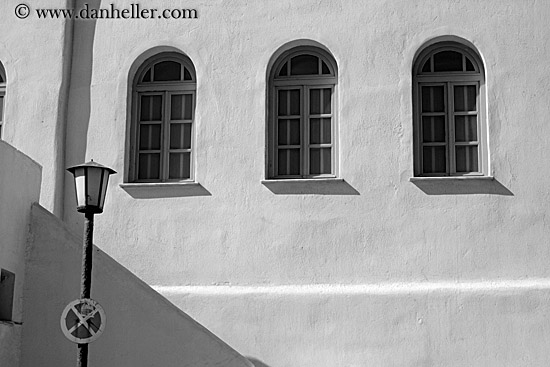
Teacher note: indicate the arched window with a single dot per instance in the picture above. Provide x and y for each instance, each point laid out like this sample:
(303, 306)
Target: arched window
(449, 112)
(2, 96)
(302, 115)
(162, 124)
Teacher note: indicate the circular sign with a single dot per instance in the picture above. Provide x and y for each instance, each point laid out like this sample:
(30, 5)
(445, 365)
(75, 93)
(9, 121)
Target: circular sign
(83, 321)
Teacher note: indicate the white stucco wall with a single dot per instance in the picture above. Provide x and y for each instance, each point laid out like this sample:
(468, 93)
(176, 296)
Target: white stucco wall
(33, 53)
(19, 188)
(241, 232)
(376, 227)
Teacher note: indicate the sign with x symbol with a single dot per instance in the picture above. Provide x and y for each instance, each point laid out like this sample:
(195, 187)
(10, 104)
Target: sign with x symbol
(83, 321)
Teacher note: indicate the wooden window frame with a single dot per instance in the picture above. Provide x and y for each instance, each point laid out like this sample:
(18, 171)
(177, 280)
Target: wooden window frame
(304, 83)
(165, 89)
(449, 80)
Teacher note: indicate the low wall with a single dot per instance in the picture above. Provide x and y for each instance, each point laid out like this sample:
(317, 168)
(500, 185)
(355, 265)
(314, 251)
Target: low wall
(142, 328)
(19, 188)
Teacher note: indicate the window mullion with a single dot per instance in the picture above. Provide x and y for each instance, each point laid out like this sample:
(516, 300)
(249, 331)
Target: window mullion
(304, 123)
(165, 147)
(451, 128)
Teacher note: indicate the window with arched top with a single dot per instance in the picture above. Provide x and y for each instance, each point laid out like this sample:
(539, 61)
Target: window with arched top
(450, 127)
(302, 115)
(2, 96)
(162, 143)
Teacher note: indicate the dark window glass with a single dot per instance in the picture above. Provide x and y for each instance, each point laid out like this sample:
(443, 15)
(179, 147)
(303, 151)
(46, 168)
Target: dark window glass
(289, 132)
(434, 159)
(167, 71)
(180, 136)
(149, 136)
(319, 161)
(187, 74)
(180, 165)
(304, 65)
(469, 65)
(466, 158)
(433, 99)
(447, 61)
(324, 69)
(289, 162)
(465, 128)
(147, 76)
(284, 70)
(465, 98)
(149, 166)
(426, 68)
(151, 108)
(433, 129)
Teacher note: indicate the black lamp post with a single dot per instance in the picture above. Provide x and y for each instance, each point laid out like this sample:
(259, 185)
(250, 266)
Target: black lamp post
(91, 181)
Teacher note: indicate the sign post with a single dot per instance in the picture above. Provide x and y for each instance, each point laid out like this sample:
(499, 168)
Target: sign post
(83, 320)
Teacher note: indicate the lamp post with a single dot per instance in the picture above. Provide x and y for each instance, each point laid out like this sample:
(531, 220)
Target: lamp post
(91, 181)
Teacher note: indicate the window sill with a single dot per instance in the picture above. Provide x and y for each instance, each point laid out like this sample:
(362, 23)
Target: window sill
(310, 186)
(152, 190)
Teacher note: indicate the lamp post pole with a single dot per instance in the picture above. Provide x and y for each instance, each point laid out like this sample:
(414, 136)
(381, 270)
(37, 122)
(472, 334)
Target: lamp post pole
(91, 181)
(86, 279)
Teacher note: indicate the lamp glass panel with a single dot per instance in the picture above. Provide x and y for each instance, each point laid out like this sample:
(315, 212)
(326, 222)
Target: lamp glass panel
(80, 186)
(94, 185)
(104, 184)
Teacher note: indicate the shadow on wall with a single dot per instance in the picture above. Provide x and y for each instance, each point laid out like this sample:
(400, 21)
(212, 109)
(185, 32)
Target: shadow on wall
(450, 186)
(310, 187)
(256, 362)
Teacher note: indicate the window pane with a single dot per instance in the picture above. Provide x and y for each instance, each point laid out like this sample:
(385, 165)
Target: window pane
(315, 101)
(465, 128)
(288, 132)
(151, 108)
(433, 98)
(465, 97)
(327, 99)
(319, 161)
(466, 158)
(187, 74)
(188, 106)
(469, 65)
(289, 102)
(288, 162)
(284, 70)
(181, 107)
(434, 159)
(147, 76)
(149, 136)
(180, 165)
(180, 136)
(448, 61)
(149, 166)
(324, 68)
(176, 107)
(1, 107)
(167, 71)
(427, 67)
(433, 129)
(320, 131)
(304, 65)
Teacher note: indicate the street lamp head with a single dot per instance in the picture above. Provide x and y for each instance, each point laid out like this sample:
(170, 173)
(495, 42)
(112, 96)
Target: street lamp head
(90, 181)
